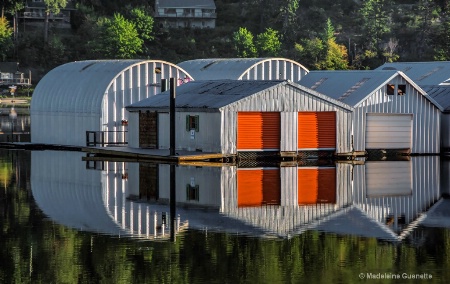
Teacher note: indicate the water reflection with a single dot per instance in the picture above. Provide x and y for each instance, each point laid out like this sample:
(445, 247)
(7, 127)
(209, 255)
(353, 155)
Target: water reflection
(384, 199)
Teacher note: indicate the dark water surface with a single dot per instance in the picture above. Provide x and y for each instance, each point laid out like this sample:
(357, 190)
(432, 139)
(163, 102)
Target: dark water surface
(65, 220)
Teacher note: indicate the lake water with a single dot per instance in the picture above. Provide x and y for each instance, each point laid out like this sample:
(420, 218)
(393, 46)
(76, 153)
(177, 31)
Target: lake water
(66, 220)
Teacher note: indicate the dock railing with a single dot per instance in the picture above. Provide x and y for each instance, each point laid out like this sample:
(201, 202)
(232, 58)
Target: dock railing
(99, 138)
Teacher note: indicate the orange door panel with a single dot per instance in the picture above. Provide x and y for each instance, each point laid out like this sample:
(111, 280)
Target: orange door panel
(258, 131)
(317, 130)
(316, 185)
(258, 187)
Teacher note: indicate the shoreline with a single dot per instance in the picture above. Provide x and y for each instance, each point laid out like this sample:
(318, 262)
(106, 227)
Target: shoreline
(13, 101)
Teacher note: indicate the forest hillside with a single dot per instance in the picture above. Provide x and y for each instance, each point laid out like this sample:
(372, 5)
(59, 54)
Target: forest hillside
(319, 34)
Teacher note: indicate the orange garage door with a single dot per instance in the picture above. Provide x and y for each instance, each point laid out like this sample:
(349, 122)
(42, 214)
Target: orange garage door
(256, 187)
(317, 130)
(258, 131)
(316, 185)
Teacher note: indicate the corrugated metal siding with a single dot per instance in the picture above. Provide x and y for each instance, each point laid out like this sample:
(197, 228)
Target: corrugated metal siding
(287, 219)
(426, 121)
(445, 131)
(91, 95)
(258, 131)
(293, 100)
(425, 173)
(316, 130)
(133, 129)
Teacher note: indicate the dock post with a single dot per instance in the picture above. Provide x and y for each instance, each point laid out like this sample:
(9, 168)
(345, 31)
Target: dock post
(172, 116)
(172, 202)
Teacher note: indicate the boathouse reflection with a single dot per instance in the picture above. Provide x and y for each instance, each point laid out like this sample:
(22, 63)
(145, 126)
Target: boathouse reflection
(383, 199)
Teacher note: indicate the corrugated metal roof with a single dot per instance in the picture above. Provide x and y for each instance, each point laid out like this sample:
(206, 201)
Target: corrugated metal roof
(224, 68)
(353, 87)
(205, 4)
(423, 73)
(215, 94)
(441, 94)
(79, 86)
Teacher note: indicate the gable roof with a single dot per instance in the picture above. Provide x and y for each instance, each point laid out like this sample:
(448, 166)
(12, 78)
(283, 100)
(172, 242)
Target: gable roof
(353, 87)
(215, 94)
(440, 93)
(205, 4)
(423, 73)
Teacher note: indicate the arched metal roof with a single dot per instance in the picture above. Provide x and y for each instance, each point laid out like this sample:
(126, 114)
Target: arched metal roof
(244, 69)
(80, 86)
(91, 96)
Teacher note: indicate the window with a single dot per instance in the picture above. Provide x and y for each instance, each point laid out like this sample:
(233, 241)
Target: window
(390, 90)
(192, 192)
(192, 122)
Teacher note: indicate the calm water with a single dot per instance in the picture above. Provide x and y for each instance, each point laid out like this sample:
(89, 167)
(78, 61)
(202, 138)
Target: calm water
(65, 220)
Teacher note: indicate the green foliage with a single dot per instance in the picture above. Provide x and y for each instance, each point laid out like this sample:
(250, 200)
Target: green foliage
(6, 43)
(144, 23)
(54, 6)
(323, 53)
(118, 38)
(243, 43)
(268, 43)
(375, 22)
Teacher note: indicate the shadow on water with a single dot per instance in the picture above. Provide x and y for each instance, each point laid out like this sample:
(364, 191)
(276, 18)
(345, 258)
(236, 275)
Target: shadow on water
(386, 200)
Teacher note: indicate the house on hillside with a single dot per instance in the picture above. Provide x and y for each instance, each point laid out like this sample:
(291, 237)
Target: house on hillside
(83, 103)
(10, 75)
(34, 14)
(390, 111)
(244, 69)
(240, 116)
(198, 14)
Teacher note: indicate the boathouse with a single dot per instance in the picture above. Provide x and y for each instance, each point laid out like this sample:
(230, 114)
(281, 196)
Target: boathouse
(83, 103)
(390, 111)
(441, 94)
(244, 69)
(389, 198)
(231, 116)
(434, 78)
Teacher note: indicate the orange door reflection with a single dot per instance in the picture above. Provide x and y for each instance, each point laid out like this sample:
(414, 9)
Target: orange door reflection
(256, 187)
(316, 185)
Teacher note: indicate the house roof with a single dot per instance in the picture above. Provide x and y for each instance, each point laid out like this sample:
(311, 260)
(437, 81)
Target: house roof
(216, 94)
(9, 67)
(353, 87)
(205, 4)
(422, 73)
(227, 68)
(440, 93)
